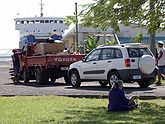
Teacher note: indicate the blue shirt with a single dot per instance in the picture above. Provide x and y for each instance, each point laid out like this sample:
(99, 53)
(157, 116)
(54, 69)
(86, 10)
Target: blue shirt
(117, 100)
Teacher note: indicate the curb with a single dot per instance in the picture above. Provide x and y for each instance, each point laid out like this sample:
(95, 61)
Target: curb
(106, 97)
(92, 96)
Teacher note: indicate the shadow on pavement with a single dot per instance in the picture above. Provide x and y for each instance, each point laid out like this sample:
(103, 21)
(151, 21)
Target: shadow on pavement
(34, 84)
(107, 88)
(129, 90)
(94, 88)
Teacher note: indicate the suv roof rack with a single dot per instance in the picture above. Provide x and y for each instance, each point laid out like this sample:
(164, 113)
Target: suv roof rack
(125, 45)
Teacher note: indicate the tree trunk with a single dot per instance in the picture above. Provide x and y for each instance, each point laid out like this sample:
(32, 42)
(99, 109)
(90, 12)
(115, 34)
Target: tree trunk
(152, 28)
(152, 43)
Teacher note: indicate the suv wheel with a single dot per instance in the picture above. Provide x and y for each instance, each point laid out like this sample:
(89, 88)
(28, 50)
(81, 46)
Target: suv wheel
(145, 83)
(103, 83)
(75, 79)
(113, 76)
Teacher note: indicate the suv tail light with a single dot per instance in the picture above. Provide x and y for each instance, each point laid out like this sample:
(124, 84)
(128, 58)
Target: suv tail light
(127, 63)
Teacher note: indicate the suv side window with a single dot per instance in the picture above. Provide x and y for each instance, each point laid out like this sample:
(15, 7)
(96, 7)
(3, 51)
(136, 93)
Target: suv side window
(118, 53)
(110, 53)
(107, 53)
(93, 55)
(138, 52)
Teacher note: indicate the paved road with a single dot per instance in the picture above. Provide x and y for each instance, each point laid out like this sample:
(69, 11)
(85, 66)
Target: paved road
(59, 88)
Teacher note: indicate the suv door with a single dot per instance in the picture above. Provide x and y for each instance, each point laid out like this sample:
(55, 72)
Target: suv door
(110, 58)
(88, 68)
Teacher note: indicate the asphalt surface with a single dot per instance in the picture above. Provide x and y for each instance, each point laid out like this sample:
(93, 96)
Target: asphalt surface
(87, 89)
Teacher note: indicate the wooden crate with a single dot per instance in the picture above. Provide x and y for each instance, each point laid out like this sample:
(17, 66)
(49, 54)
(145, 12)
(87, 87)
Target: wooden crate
(48, 48)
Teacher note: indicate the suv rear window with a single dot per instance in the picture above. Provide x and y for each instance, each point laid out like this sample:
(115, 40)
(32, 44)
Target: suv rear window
(138, 52)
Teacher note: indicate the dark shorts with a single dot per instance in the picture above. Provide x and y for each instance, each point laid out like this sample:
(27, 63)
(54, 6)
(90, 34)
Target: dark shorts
(161, 69)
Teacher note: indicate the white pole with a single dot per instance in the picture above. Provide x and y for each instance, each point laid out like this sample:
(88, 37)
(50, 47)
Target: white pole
(117, 39)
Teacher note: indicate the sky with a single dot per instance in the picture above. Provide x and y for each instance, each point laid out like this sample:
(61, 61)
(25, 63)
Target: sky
(11, 9)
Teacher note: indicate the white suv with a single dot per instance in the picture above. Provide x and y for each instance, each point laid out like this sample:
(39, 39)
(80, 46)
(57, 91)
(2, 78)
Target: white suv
(106, 64)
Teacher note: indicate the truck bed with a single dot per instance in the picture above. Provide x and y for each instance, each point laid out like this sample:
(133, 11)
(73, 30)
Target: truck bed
(53, 60)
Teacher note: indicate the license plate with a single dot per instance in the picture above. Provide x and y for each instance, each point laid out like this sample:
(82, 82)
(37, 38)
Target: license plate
(64, 68)
(137, 77)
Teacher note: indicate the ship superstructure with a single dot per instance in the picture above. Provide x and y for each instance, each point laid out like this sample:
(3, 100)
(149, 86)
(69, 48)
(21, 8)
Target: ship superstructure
(38, 29)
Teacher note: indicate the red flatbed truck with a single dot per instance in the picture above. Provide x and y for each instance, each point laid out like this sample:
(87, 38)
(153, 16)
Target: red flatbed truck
(44, 67)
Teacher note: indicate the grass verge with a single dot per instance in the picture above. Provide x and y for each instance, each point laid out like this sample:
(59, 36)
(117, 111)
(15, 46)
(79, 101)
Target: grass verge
(67, 110)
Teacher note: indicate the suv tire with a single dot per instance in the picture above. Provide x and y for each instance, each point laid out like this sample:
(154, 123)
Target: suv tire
(113, 76)
(103, 83)
(75, 78)
(145, 83)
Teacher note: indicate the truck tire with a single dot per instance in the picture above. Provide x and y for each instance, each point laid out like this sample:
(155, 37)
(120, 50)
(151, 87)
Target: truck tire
(52, 78)
(46, 77)
(39, 76)
(75, 78)
(66, 79)
(26, 76)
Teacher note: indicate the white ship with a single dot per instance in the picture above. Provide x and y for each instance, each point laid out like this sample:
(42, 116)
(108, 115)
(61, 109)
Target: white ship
(39, 29)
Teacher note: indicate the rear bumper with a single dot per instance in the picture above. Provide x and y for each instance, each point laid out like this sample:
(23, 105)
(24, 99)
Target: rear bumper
(136, 74)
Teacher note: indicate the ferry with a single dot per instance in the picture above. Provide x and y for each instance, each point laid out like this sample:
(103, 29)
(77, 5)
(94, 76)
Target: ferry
(39, 29)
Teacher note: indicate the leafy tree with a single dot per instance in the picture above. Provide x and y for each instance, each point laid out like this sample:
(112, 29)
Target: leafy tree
(138, 38)
(147, 13)
(91, 43)
(112, 42)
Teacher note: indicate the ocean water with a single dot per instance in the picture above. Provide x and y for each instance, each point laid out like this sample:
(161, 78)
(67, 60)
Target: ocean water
(5, 55)
(5, 59)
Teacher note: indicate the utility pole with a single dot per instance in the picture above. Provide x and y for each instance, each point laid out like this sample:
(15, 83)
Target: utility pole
(76, 42)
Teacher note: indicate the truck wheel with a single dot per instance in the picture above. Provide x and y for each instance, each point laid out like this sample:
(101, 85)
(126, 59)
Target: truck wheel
(46, 77)
(113, 76)
(39, 76)
(103, 83)
(26, 76)
(75, 79)
(52, 78)
(67, 81)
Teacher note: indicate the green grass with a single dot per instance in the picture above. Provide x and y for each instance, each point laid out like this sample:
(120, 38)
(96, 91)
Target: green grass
(67, 110)
(163, 81)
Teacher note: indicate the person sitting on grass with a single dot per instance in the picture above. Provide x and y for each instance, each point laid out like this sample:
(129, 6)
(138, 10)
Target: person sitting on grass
(117, 99)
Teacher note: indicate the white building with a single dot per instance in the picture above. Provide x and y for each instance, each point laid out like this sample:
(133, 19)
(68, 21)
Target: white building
(125, 35)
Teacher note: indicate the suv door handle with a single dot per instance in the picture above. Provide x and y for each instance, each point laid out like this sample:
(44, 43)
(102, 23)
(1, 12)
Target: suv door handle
(94, 63)
(109, 61)
(132, 60)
